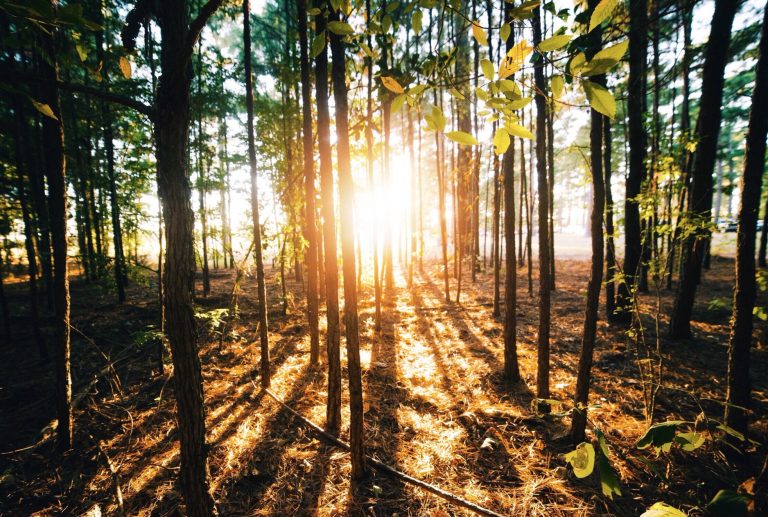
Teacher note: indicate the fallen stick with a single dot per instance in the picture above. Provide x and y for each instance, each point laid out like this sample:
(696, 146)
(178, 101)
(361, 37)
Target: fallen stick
(386, 469)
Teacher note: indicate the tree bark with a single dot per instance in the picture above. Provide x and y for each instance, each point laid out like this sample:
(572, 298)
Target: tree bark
(700, 194)
(333, 338)
(347, 214)
(738, 394)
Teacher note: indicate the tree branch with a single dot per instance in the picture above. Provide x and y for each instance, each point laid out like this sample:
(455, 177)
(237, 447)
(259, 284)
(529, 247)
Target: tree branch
(133, 21)
(135, 105)
(196, 27)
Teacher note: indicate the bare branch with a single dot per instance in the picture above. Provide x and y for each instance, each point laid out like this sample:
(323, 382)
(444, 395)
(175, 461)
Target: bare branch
(196, 27)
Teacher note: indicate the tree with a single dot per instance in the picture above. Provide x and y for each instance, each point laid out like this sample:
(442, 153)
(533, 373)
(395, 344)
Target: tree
(583, 377)
(333, 338)
(542, 372)
(347, 214)
(738, 394)
(633, 248)
(171, 124)
(257, 246)
(700, 194)
(309, 187)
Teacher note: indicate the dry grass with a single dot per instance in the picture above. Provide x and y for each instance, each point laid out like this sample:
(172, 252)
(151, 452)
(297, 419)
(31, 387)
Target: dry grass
(435, 408)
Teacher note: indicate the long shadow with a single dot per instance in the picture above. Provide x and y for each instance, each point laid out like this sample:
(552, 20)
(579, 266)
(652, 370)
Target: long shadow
(244, 494)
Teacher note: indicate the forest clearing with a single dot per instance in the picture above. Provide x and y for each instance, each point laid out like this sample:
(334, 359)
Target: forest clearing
(383, 257)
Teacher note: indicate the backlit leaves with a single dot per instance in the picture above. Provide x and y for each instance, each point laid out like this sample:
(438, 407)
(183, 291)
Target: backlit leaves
(125, 67)
(318, 44)
(514, 59)
(600, 99)
(662, 510)
(391, 84)
(340, 28)
(555, 42)
(500, 141)
(557, 85)
(460, 137)
(44, 109)
(479, 34)
(602, 11)
(582, 459)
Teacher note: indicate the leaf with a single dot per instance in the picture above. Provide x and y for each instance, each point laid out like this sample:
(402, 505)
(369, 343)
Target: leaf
(501, 141)
(44, 109)
(728, 503)
(514, 59)
(731, 431)
(601, 100)
(557, 85)
(460, 137)
(391, 84)
(318, 44)
(662, 510)
(487, 67)
(519, 131)
(582, 459)
(125, 67)
(658, 434)
(397, 102)
(366, 49)
(340, 28)
(605, 59)
(520, 103)
(689, 441)
(479, 34)
(555, 42)
(82, 52)
(602, 11)
(505, 32)
(438, 118)
(416, 20)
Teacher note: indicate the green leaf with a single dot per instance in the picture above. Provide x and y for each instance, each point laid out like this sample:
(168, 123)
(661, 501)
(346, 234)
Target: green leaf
(601, 100)
(728, 503)
(44, 109)
(555, 42)
(602, 11)
(82, 52)
(391, 84)
(460, 137)
(479, 34)
(397, 102)
(731, 431)
(318, 44)
(340, 28)
(505, 31)
(662, 510)
(501, 141)
(416, 18)
(417, 89)
(519, 131)
(660, 434)
(582, 459)
(520, 103)
(557, 85)
(487, 67)
(125, 67)
(689, 441)
(605, 59)
(438, 118)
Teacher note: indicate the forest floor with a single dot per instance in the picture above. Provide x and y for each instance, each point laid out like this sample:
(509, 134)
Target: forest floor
(435, 406)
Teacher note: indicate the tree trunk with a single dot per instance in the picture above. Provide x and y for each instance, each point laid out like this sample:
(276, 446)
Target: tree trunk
(738, 394)
(700, 195)
(542, 372)
(347, 214)
(257, 246)
(333, 338)
(610, 248)
(309, 187)
(633, 248)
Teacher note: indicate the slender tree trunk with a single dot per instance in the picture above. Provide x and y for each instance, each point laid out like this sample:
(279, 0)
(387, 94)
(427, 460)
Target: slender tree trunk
(333, 338)
(347, 205)
(542, 372)
(738, 394)
(257, 246)
(610, 248)
(700, 194)
(596, 138)
(309, 187)
(369, 165)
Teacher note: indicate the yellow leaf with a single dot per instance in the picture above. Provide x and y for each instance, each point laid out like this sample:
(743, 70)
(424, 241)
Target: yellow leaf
(487, 67)
(555, 42)
(558, 83)
(397, 102)
(479, 33)
(125, 67)
(602, 11)
(518, 130)
(460, 137)
(391, 84)
(577, 63)
(514, 59)
(44, 109)
(500, 141)
(600, 99)
(605, 59)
